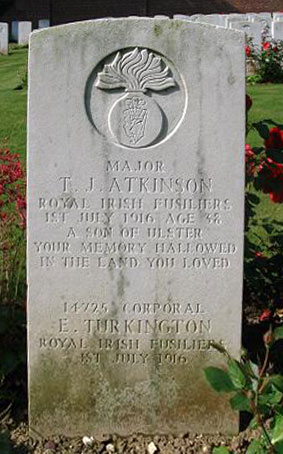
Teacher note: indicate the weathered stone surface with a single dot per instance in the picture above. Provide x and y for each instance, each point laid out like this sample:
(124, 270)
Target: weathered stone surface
(24, 30)
(4, 38)
(135, 236)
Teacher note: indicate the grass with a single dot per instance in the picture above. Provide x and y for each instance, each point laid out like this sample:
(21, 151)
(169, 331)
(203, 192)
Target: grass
(13, 118)
(267, 103)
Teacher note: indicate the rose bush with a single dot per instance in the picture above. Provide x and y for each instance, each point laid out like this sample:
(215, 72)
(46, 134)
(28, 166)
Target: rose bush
(12, 278)
(268, 60)
(263, 257)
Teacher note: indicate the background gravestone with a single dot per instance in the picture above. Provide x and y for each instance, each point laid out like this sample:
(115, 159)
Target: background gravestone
(253, 30)
(24, 30)
(277, 16)
(15, 30)
(4, 38)
(277, 30)
(135, 236)
(213, 19)
(43, 23)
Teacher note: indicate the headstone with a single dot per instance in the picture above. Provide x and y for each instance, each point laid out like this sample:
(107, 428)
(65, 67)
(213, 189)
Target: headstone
(231, 18)
(43, 23)
(264, 20)
(15, 31)
(183, 17)
(194, 17)
(135, 232)
(4, 38)
(277, 30)
(260, 15)
(24, 31)
(277, 16)
(253, 30)
(214, 19)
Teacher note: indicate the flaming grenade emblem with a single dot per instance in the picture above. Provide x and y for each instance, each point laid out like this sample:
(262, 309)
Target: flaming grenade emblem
(135, 120)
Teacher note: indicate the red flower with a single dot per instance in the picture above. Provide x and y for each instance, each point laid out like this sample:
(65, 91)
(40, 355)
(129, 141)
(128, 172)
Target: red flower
(275, 139)
(271, 179)
(265, 315)
(266, 45)
(248, 51)
(259, 254)
(250, 161)
(277, 196)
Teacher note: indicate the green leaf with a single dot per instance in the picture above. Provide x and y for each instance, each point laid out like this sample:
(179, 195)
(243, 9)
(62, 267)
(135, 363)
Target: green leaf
(8, 363)
(219, 380)
(278, 409)
(270, 397)
(277, 381)
(277, 434)
(275, 155)
(253, 198)
(256, 448)
(4, 443)
(278, 333)
(221, 450)
(240, 402)
(236, 374)
(262, 129)
(253, 423)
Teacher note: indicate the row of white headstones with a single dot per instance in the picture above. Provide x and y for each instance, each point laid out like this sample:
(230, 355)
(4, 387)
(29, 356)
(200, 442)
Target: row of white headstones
(253, 24)
(19, 33)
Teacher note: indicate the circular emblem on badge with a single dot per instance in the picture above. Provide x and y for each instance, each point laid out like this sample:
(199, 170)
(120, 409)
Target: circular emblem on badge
(140, 97)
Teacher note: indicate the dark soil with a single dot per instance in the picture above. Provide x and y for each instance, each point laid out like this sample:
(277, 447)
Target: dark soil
(21, 443)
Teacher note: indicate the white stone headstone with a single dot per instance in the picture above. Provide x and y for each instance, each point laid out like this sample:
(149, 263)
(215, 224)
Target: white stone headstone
(24, 31)
(43, 23)
(260, 15)
(195, 17)
(253, 30)
(135, 229)
(231, 18)
(264, 20)
(214, 19)
(15, 31)
(277, 30)
(4, 38)
(277, 16)
(183, 17)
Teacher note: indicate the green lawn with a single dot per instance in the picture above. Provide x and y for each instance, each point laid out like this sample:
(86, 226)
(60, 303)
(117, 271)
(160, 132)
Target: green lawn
(13, 102)
(267, 104)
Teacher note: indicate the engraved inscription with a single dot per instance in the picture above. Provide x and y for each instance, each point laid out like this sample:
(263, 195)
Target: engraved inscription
(148, 217)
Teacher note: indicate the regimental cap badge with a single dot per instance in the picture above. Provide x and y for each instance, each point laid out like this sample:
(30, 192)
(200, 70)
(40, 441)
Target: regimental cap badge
(135, 120)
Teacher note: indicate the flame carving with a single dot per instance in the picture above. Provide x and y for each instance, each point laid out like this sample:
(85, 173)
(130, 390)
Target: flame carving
(138, 70)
